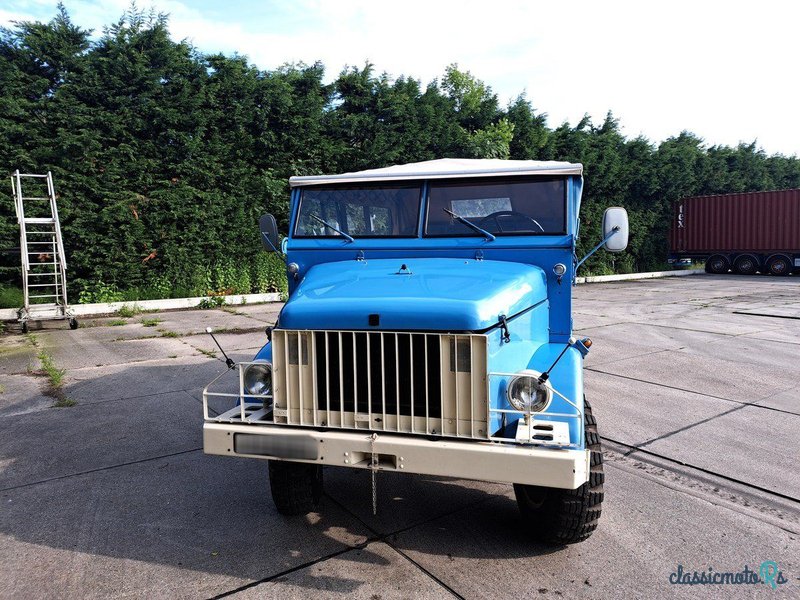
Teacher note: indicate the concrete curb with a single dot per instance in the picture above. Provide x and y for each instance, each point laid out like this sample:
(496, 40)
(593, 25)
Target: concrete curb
(84, 310)
(630, 276)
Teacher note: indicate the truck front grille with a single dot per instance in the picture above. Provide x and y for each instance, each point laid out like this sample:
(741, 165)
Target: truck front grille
(424, 383)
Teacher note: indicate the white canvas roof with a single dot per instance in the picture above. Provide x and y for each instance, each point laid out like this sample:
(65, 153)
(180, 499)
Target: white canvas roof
(446, 168)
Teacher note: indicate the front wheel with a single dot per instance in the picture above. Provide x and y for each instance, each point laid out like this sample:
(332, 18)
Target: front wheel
(296, 487)
(556, 516)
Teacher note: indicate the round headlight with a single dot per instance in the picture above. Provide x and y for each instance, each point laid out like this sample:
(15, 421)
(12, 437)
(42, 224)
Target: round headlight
(258, 378)
(524, 392)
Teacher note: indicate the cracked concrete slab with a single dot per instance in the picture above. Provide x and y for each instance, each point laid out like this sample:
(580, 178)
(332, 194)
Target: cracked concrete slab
(182, 526)
(404, 500)
(787, 400)
(63, 441)
(147, 378)
(751, 444)
(377, 571)
(632, 412)
(646, 531)
(713, 375)
(20, 394)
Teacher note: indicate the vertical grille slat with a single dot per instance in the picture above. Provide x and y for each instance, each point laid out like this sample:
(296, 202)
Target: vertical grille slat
(418, 383)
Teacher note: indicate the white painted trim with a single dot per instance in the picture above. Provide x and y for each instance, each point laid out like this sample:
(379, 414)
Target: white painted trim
(631, 276)
(84, 310)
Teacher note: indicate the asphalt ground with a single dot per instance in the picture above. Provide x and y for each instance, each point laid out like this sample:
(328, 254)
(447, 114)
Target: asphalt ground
(694, 382)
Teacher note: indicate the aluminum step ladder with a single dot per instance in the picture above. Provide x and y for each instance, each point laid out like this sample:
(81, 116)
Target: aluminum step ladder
(44, 265)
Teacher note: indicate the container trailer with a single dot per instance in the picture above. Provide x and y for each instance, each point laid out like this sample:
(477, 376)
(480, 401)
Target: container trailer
(746, 232)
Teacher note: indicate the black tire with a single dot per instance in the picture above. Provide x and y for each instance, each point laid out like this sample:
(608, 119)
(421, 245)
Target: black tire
(24, 327)
(745, 265)
(73, 323)
(717, 264)
(558, 517)
(296, 487)
(779, 265)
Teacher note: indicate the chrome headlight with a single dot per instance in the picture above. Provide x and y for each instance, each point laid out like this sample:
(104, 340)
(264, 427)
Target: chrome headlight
(525, 393)
(258, 378)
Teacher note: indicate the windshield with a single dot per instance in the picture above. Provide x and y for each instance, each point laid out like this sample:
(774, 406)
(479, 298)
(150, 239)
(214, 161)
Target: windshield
(359, 211)
(501, 207)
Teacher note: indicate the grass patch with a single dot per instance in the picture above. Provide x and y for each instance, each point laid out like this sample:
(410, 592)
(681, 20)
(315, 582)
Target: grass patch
(2, 389)
(129, 310)
(117, 322)
(55, 380)
(209, 353)
(64, 402)
(151, 322)
(54, 375)
(167, 333)
(211, 302)
(170, 356)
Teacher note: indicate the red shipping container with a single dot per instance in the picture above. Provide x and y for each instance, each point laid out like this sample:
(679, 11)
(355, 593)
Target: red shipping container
(760, 222)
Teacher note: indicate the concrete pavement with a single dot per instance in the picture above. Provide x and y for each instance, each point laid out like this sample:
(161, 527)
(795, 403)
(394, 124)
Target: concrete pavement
(693, 381)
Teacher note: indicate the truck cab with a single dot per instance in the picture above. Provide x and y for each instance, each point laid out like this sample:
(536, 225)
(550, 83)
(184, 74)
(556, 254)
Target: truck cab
(428, 329)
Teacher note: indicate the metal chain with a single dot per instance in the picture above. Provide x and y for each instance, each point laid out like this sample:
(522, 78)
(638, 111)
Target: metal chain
(374, 468)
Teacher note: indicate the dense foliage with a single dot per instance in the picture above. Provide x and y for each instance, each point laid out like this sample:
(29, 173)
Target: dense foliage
(164, 157)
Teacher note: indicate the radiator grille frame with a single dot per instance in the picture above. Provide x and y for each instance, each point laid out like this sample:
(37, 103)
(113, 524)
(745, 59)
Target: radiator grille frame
(433, 384)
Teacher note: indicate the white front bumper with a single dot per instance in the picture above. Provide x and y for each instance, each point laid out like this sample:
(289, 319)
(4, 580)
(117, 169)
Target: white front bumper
(485, 461)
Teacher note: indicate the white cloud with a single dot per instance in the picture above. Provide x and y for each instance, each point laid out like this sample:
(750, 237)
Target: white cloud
(721, 69)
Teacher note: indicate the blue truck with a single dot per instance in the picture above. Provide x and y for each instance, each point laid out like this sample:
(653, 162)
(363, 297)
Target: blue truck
(428, 329)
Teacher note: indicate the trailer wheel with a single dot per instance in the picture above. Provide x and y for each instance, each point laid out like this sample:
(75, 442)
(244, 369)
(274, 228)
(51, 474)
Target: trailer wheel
(779, 265)
(24, 327)
(73, 323)
(717, 264)
(556, 516)
(745, 264)
(296, 487)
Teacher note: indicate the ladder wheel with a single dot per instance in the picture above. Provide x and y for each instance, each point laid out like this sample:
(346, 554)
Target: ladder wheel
(24, 327)
(73, 323)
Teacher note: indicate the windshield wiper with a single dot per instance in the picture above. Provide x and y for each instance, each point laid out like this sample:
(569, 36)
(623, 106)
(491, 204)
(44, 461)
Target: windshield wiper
(470, 224)
(329, 226)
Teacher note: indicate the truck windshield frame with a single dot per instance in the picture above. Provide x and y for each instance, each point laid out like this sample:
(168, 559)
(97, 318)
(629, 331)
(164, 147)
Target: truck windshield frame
(369, 210)
(518, 206)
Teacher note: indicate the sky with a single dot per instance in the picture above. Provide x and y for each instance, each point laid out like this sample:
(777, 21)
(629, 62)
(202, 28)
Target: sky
(726, 71)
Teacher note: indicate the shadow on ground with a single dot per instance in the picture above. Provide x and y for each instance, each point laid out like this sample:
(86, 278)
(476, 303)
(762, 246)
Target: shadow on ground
(124, 478)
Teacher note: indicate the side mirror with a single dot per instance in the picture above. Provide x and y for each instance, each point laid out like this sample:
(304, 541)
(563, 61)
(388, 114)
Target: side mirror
(269, 233)
(615, 229)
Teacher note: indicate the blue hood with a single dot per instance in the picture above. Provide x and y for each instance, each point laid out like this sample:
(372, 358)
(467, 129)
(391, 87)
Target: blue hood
(434, 294)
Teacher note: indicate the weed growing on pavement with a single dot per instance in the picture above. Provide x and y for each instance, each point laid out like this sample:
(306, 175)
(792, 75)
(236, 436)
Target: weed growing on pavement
(55, 379)
(129, 310)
